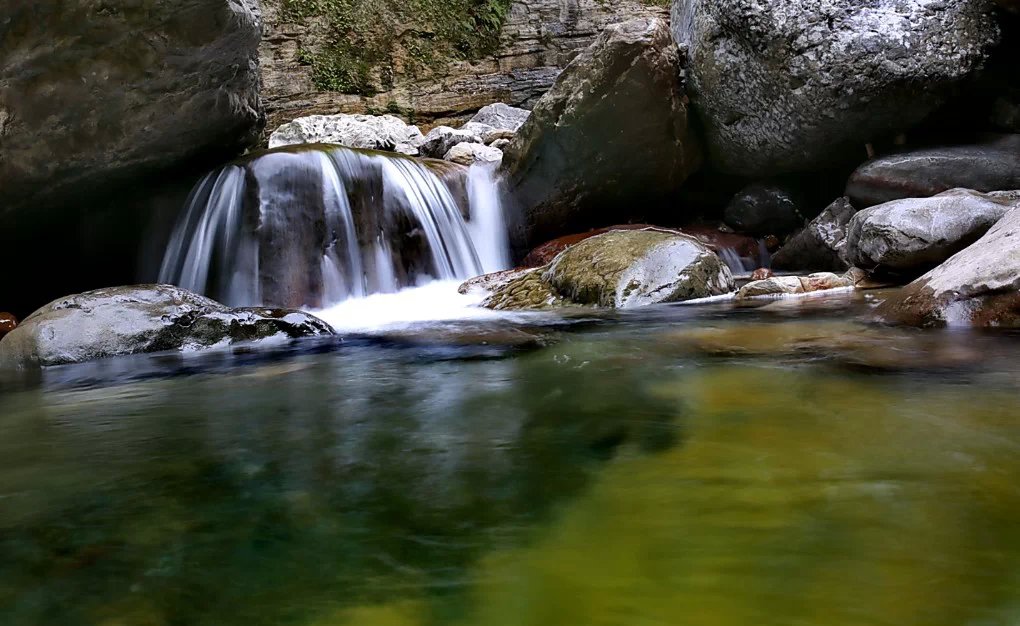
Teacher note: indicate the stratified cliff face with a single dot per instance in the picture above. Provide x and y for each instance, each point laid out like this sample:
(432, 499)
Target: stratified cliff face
(538, 38)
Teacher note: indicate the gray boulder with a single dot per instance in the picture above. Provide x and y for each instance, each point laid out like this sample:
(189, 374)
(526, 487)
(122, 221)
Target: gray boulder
(441, 139)
(471, 153)
(913, 235)
(792, 85)
(619, 269)
(139, 319)
(501, 116)
(819, 246)
(979, 286)
(989, 166)
(611, 135)
(371, 132)
(96, 93)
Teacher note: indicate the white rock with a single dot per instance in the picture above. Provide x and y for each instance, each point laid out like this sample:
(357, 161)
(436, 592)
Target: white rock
(502, 117)
(370, 132)
(441, 139)
(471, 153)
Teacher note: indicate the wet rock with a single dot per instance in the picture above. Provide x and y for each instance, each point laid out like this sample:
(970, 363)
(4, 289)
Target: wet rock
(502, 116)
(762, 273)
(990, 166)
(471, 153)
(138, 319)
(442, 139)
(370, 132)
(573, 165)
(819, 246)
(911, 236)
(764, 209)
(625, 269)
(979, 286)
(617, 269)
(94, 94)
(7, 323)
(792, 85)
(794, 285)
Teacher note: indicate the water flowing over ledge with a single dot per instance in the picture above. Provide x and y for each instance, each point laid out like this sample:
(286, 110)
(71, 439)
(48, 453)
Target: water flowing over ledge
(315, 226)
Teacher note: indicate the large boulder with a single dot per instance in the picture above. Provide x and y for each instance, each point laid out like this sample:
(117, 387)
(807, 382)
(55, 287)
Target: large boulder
(139, 319)
(501, 116)
(791, 85)
(979, 286)
(608, 140)
(619, 269)
(989, 166)
(371, 132)
(93, 94)
(819, 246)
(911, 236)
(763, 209)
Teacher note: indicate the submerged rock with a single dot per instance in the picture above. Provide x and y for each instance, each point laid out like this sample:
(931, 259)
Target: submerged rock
(979, 286)
(7, 323)
(471, 153)
(618, 269)
(370, 132)
(145, 318)
(819, 246)
(913, 235)
(990, 166)
(791, 85)
(611, 135)
(764, 209)
(94, 94)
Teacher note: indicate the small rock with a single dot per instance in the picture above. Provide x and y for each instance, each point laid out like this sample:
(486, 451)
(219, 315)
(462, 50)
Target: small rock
(762, 273)
(502, 116)
(914, 235)
(819, 247)
(764, 209)
(369, 132)
(794, 285)
(442, 139)
(500, 144)
(471, 153)
(7, 323)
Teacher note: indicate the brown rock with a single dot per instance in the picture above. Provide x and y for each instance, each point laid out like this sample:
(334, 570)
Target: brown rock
(7, 323)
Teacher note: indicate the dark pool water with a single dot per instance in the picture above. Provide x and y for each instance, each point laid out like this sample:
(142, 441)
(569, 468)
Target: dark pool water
(708, 466)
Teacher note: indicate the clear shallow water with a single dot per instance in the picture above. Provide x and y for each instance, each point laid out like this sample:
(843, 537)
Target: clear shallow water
(681, 465)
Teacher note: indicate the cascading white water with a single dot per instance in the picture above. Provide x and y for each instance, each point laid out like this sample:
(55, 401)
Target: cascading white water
(319, 225)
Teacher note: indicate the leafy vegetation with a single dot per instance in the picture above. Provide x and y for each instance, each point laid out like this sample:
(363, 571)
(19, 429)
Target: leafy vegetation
(366, 40)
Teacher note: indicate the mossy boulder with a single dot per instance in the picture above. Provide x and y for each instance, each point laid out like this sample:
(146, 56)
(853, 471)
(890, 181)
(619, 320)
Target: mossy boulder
(619, 269)
(139, 319)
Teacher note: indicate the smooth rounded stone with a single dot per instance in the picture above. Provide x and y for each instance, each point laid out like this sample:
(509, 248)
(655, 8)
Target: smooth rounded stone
(914, 235)
(138, 319)
(764, 209)
(819, 246)
(848, 344)
(471, 153)
(442, 139)
(370, 132)
(772, 286)
(501, 116)
(990, 166)
(609, 140)
(7, 323)
(626, 269)
(979, 286)
(790, 86)
(95, 94)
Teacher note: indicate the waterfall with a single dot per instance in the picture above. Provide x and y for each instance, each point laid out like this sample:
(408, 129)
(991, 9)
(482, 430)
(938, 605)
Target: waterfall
(316, 225)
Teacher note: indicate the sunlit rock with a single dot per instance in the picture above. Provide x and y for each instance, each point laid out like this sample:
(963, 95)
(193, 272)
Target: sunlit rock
(371, 132)
(796, 285)
(471, 153)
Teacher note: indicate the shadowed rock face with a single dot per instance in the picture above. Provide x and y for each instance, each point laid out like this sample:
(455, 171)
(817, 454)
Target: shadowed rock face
(979, 286)
(820, 245)
(95, 93)
(610, 139)
(990, 166)
(139, 319)
(790, 85)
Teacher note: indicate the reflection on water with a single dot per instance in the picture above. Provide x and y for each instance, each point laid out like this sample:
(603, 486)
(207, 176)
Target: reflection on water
(628, 475)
